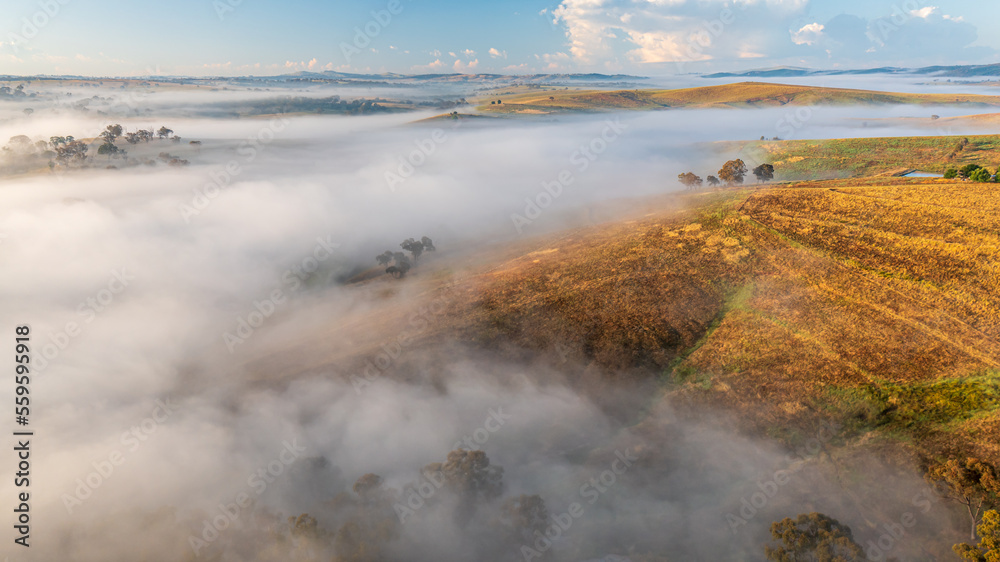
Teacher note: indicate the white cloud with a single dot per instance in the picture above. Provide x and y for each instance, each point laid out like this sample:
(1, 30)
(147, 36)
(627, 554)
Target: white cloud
(924, 12)
(459, 66)
(469, 53)
(434, 66)
(658, 46)
(497, 54)
(808, 34)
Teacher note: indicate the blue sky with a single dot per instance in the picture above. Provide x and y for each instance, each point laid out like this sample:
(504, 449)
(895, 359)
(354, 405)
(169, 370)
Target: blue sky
(650, 37)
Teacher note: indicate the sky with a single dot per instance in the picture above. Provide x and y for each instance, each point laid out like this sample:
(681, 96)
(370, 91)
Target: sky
(645, 37)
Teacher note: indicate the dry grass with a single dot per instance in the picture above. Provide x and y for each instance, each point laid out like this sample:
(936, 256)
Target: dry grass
(741, 95)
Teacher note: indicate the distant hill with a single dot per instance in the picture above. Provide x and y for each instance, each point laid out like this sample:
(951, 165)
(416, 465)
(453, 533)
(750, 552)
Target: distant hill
(741, 95)
(957, 71)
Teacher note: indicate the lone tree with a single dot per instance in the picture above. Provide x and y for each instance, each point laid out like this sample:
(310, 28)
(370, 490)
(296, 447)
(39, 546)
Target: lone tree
(712, 180)
(972, 483)
(690, 180)
(732, 172)
(988, 549)
(764, 172)
(813, 537)
(414, 247)
(111, 134)
(164, 132)
(468, 475)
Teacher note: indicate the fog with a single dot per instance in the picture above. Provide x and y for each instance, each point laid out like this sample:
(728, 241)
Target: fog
(152, 266)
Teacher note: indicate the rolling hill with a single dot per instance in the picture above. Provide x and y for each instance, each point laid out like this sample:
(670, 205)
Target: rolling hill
(741, 95)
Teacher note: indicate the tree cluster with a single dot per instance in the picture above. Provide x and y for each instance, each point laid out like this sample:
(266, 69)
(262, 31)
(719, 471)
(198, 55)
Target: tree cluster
(732, 172)
(16, 92)
(973, 172)
(68, 151)
(364, 522)
(397, 263)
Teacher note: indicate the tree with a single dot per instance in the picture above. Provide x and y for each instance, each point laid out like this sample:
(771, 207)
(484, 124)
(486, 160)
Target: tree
(982, 175)
(164, 132)
(764, 173)
(988, 549)
(414, 247)
(110, 150)
(950, 174)
(523, 518)
(712, 180)
(732, 172)
(428, 244)
(967, 170)
(71, 151)
(385, 258)
(111, 134)
(972, 483)
(372, 525)
(813, 537)
(20, 143)
(468, 475)
(690, 180)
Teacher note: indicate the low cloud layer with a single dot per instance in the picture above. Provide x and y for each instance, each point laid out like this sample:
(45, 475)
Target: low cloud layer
(148, 422)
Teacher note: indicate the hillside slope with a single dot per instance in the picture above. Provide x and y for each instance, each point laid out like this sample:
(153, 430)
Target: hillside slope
(740, 95)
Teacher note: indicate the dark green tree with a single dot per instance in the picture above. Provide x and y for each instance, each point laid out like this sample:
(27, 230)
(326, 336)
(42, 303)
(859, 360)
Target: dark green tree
(764, 173)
